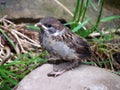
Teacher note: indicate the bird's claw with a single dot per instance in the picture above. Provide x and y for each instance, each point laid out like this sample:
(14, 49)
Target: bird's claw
(55, 73)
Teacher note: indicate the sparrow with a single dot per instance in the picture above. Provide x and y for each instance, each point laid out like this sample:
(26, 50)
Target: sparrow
(62, 43)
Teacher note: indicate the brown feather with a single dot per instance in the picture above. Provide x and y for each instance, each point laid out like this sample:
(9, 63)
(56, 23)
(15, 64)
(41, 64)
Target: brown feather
(76, 42)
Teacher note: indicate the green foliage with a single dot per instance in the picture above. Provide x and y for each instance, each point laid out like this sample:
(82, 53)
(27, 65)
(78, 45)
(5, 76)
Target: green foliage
(79, 26)
(12, 72)
(80, 20)
(109, 18)
(31, 27)
(7, 37)
(80, 11)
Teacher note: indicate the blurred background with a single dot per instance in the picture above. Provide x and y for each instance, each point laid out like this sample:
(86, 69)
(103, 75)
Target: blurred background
(29, 10)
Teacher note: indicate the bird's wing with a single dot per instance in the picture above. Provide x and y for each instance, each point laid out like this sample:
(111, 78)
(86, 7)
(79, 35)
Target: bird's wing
(77, 43)
(81, 47)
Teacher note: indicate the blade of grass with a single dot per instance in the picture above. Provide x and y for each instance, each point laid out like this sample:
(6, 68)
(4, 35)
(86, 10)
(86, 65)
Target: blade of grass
(80, 26)
(76, 10)
(5, 74)
(34, 28)
(100, 14)
(85, 9)
(99, 2)
(7, 37)
(80, 10)
(109, 18)
(69, 23)
(91, 3)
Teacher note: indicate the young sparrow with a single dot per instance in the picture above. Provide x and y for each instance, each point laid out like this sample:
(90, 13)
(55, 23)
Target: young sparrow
(62, 43)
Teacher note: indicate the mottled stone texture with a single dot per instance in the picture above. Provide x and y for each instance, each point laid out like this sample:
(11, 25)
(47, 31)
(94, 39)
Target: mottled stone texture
(82, 78)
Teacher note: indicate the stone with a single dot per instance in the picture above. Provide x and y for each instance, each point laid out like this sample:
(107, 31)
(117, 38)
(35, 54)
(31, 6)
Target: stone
(84, 77)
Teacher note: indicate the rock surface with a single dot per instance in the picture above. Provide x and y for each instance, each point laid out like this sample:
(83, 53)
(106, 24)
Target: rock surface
(82, 78)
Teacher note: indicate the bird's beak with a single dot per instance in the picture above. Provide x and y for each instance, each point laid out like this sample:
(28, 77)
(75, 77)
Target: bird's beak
(41, 26)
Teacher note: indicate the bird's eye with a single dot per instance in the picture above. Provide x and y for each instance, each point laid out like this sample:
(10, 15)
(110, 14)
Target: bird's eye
(52, 30)
(48, 25)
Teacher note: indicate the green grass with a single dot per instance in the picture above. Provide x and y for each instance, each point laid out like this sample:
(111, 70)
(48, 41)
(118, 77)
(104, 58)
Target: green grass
(7, 37)
(11, 73)
(80, 19)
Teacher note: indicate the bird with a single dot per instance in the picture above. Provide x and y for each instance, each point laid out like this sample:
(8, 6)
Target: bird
(62, 44)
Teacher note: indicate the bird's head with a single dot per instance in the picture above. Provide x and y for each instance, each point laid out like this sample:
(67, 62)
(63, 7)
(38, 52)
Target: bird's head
(51, 26)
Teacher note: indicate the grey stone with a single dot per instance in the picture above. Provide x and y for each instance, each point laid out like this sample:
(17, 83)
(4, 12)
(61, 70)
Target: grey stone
(82, 78)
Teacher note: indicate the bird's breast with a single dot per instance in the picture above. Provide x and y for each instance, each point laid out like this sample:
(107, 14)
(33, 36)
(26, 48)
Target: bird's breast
(58, 48)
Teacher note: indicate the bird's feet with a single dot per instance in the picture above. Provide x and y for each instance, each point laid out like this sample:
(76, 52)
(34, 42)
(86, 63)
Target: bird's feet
(56, 73)
(63, 68)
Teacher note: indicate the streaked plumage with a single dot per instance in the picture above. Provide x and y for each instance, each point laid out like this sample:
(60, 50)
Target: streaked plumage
(61, 42)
